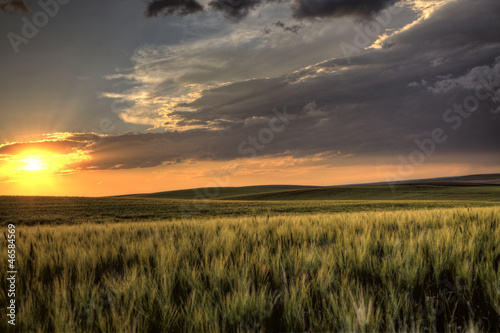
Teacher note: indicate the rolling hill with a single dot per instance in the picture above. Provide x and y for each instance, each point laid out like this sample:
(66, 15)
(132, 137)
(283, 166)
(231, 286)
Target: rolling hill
(472, 187)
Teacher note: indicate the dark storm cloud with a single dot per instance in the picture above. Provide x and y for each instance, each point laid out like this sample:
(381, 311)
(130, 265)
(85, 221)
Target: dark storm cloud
(170, 7)
(13, 5)
(337, 8)
(237, 9)
(234, 9)
(378, 104)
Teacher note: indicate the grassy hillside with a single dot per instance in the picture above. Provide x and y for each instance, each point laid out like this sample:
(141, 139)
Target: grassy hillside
(207, 193)
(373, 192)
(400, 192)
(462, 188)
(418, 271)
(67, 210)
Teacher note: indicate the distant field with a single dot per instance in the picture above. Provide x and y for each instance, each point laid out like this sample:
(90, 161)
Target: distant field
(404, 271)
(378, 192)
(67, 210)
(400, 192)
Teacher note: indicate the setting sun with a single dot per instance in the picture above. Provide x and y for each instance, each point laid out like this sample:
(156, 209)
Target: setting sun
(33, 169)
(33, 164)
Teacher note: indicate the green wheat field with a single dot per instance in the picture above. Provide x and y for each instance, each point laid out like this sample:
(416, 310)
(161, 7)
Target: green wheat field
(360, 259)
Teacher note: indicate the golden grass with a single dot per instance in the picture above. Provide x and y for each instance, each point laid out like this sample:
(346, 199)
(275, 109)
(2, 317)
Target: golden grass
(428, 270)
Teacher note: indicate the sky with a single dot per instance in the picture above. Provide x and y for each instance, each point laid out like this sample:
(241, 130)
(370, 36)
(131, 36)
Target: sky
(127, 96)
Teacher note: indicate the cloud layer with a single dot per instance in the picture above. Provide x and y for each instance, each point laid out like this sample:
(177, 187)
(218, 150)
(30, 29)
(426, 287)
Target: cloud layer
(337, 8)
(215, 96)
(237, 9)
(377, 103)
(170, 7)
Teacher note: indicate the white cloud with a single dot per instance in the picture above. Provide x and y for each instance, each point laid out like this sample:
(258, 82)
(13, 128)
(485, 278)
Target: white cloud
(486, 76)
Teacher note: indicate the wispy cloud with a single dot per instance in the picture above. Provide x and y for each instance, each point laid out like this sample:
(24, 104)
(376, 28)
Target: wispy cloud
(486, 77)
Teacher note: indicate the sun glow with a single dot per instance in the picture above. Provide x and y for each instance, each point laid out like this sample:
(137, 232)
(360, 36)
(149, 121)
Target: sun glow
(42, 162)
(48, 163)
(34, 170)
(32, 164)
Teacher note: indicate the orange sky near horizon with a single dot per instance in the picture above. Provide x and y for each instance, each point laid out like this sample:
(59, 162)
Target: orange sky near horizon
(48, 175)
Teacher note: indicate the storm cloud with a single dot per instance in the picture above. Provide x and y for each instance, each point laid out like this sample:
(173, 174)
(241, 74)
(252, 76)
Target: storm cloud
(170, 7)
(301, 9)
(234, 9)
(379, 103)
(375, 104)
(237, 9)
(337, 8)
